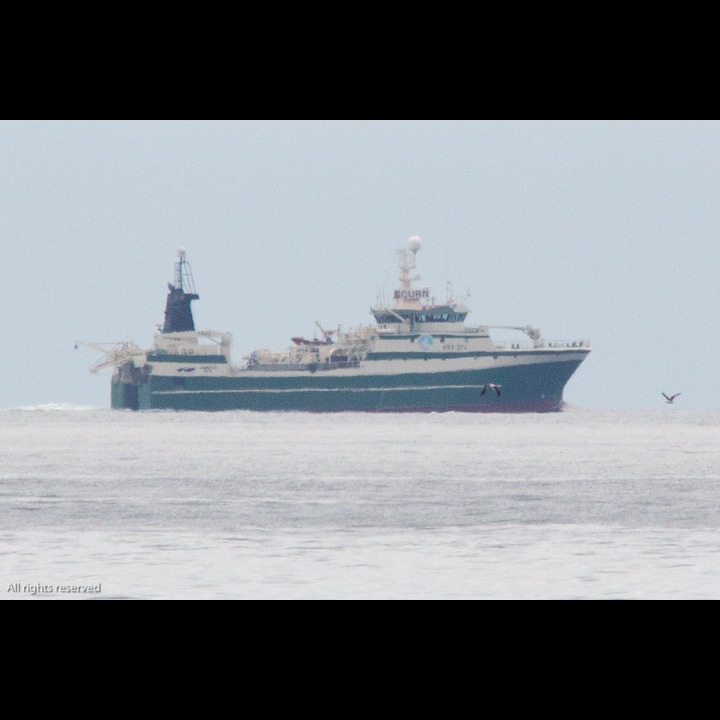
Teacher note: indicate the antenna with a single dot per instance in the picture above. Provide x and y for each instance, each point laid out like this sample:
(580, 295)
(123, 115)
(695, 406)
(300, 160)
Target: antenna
(183, 273)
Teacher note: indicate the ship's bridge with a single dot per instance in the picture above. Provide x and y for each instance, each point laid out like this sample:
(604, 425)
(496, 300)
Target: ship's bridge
(413, 309)
(436, 318)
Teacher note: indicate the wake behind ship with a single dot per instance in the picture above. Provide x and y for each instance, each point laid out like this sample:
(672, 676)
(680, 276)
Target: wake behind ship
(418, 356)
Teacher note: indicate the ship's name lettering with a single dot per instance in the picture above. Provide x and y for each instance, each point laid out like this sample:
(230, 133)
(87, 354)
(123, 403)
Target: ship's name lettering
(411, 294)
(459, 348)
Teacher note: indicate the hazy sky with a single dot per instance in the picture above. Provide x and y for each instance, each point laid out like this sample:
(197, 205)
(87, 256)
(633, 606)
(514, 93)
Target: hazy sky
(599, 230)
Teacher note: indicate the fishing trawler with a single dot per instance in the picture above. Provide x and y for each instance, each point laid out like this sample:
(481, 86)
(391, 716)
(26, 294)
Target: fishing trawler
(417, 356)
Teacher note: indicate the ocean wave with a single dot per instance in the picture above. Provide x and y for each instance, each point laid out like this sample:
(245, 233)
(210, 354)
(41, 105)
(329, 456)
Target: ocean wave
(57, 407)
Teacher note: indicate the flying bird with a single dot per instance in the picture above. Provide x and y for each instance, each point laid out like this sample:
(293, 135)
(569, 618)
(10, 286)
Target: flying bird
(671, 398)
(496, 388)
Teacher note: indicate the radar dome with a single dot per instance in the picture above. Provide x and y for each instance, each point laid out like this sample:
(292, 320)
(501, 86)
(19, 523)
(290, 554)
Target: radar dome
(414, 243)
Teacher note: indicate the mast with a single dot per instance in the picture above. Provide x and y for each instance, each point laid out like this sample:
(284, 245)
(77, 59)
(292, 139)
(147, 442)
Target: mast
(406, 298)
(178, 314)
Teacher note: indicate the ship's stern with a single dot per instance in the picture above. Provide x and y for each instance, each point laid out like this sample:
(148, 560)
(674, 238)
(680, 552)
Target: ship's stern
(127, 387)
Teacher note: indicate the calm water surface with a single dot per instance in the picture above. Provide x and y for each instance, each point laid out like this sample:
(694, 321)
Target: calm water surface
(101, 504)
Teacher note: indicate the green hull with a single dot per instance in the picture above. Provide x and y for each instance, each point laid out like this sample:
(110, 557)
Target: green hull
(528, 388)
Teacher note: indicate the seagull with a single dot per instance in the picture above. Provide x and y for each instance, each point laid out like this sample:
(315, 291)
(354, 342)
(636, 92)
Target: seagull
(671, 398)
(496, 388)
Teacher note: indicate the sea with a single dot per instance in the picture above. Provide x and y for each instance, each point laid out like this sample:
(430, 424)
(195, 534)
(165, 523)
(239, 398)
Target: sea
(100, 504)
